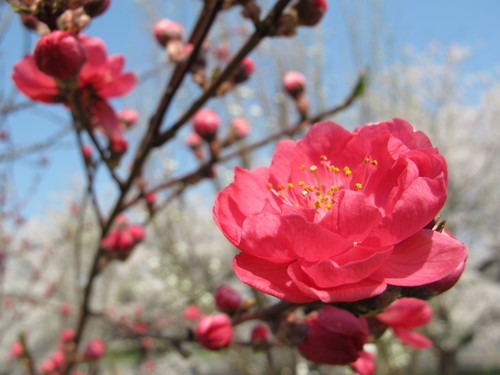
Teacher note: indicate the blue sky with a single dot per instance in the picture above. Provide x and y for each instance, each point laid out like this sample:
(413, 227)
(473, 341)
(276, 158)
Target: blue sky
(408, 23)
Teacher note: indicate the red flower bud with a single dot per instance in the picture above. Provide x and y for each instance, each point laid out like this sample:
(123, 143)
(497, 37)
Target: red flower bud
(214, 332)
(206, 122)
(294, 83)
(167, 31)
(310, 12)
(59, 54)
(227, 299)
(260, 334)
(87, 151)
(16, 349)
(194, 140)
(95, 349)
(67, 335)
(244, 71)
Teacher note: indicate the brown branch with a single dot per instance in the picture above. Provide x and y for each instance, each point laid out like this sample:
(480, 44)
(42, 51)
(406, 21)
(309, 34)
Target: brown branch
(265, 29)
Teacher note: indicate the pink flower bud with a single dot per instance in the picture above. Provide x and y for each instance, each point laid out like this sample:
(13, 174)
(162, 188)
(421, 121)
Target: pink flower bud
(95, 349)
(260, 334)
(214, 332)
(192, 312)
(47, 366)
(240, 126)
(119, 239)
(128, 117)
(65, 308)
(67, 335)
(294, 83)
(59, 54)
(58, 358)
(227, 299)
(87, 151)
(206, 122)
(244, 71)
(4, 135)
(194, 140)
(167, 31)
(150, 197)
(16, 349)
(310, 12)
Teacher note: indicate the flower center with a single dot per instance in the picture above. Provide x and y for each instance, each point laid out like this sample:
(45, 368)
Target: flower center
(320, 183)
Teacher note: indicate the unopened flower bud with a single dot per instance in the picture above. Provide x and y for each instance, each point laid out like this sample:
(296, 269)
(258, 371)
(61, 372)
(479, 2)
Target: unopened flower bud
(95, 8)
(95, 349)
(214, 332)
(67, 335)
(87, 151)
(260, 334)
(206, 122)
(192, 312)
(167, 31)
(227, 299)
(294, 83)
(59, 54)
(150, 197)
(244, 71)
(16, 349)
(310, 12)
(128, 117)
(240, 126)
(118, 146)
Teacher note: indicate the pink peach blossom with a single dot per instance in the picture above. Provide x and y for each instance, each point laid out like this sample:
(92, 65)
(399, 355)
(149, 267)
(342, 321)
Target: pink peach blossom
(100, 77)
(405, 314)
(339, 215)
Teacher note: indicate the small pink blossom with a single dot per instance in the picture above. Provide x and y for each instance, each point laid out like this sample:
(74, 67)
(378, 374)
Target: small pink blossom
(87, 151)
(214, 332)
(16, 349)
(150, 197)
(59, 54)
(65, 308)
(294, 83)
(365, 364)
(128, 117)
(340, 215)
(227, 299)
(244, 71)
(100, 78)
(240, 126)
(206, 122)
(194, 140)
(404, 315)
(166, 31)
(95, 349)
(192, 312)
(67, 335)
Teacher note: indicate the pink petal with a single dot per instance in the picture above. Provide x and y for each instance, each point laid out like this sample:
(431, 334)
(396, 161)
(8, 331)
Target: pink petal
(406, 312)
(33, 83)
(280, 167)
(105, 116)
(365, 364)
(413, 339)
(268, 277)
(423, 258)
(344, 293)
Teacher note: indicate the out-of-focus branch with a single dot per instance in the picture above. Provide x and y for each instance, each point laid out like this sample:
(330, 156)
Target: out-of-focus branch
(34, 148)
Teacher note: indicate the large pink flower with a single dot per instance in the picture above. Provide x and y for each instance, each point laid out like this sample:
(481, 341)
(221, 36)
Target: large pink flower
(100, 77)
(338, 215)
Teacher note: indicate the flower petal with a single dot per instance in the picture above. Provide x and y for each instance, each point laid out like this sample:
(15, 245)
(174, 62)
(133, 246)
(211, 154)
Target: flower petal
(423, 258)
(270, 278)
(413, 339)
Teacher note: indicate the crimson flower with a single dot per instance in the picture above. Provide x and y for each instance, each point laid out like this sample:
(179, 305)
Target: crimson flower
(100, 77)
(339, 215)
(405, 314)
(334, 336)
